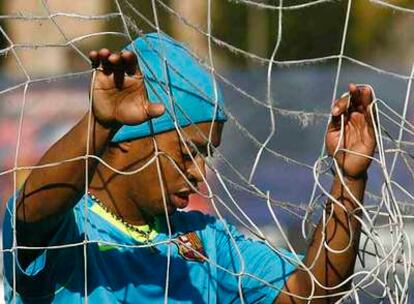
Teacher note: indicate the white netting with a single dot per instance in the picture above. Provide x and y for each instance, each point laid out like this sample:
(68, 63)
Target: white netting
(244, 173)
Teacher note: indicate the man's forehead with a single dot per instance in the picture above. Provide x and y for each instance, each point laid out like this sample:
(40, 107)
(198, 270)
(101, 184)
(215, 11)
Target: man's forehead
(199, 133)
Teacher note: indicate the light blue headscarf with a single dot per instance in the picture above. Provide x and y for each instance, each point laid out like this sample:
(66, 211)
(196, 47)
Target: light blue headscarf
(190, 86)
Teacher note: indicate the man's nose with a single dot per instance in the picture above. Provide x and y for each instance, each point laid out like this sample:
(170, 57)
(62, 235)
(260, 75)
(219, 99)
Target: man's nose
(196, 169)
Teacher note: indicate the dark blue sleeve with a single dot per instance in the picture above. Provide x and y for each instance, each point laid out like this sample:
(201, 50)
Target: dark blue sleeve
(51, 267)
(259, 261)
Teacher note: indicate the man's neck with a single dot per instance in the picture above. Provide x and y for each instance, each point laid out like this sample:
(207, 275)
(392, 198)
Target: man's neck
(111, 192)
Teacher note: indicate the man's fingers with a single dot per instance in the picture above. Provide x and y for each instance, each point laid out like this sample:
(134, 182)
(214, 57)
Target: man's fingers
(94, 58)
(355, 99)
(340, 106)
(116, 63)
(353, 90)
(154, 109)
(103, 57)
(365, 95)
(361, 97)
(130, 62)
(367, 99)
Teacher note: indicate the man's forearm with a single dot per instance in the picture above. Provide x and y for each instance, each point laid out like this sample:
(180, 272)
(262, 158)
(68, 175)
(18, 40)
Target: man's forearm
(53, 190)
(340, 232)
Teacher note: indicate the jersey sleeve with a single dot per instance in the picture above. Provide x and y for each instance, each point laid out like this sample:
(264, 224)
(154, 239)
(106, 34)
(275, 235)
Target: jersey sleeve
(51, 268)
(265, 270)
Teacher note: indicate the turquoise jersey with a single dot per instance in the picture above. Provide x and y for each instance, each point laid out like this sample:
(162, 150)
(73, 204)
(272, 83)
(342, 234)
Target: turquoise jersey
(206, 254)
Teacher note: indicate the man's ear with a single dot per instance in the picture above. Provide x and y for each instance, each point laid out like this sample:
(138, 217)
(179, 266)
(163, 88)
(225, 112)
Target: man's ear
(125, 146)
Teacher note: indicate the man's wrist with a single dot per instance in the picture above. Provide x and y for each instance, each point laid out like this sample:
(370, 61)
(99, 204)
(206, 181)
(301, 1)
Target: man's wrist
(356, 178)
(100, 134)
(363, 176)
(105, 127)
(347, 184)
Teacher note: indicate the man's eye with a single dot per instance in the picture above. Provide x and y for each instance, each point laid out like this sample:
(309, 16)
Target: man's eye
(187, 156)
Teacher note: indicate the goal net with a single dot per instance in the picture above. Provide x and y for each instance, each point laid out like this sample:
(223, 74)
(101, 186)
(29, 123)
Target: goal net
(280, 64)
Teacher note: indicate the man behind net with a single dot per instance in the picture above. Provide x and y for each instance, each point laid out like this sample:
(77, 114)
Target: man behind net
(132, 118)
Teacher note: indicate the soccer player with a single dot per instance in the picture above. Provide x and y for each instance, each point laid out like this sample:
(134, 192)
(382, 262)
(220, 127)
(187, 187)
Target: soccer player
(133, 254)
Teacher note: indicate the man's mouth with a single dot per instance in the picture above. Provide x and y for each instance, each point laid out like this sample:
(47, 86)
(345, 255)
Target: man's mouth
(180, 199)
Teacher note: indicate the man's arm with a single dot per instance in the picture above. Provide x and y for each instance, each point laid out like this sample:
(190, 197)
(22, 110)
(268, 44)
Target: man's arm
(340, 230)
(50, 192)
(329, 268)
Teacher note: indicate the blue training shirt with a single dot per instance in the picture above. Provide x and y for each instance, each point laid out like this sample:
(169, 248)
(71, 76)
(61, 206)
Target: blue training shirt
(127, 274)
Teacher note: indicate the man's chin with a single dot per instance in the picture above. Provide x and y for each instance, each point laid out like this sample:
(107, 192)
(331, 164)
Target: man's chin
(170, 210)
(179, 201)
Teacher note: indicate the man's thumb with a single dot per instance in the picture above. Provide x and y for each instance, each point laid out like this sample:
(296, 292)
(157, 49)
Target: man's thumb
(155, 109)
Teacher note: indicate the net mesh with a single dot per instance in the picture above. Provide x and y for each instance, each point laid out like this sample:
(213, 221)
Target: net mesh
(384, 261)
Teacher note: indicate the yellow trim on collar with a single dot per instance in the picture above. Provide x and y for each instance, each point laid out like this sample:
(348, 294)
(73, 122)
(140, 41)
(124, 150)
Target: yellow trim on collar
(139, 237)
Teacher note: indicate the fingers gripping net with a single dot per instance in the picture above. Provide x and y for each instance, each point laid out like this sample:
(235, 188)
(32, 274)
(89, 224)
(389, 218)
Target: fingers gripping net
(384, 263)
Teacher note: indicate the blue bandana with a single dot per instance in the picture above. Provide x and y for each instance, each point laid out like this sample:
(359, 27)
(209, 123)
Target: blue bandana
(179, 82)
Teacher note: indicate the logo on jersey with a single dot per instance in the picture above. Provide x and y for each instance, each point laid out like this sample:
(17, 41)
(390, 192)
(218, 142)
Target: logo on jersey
(190, 247)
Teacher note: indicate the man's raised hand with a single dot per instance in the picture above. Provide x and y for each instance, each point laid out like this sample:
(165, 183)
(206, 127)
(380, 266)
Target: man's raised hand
(358, 132)
(119, 95)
